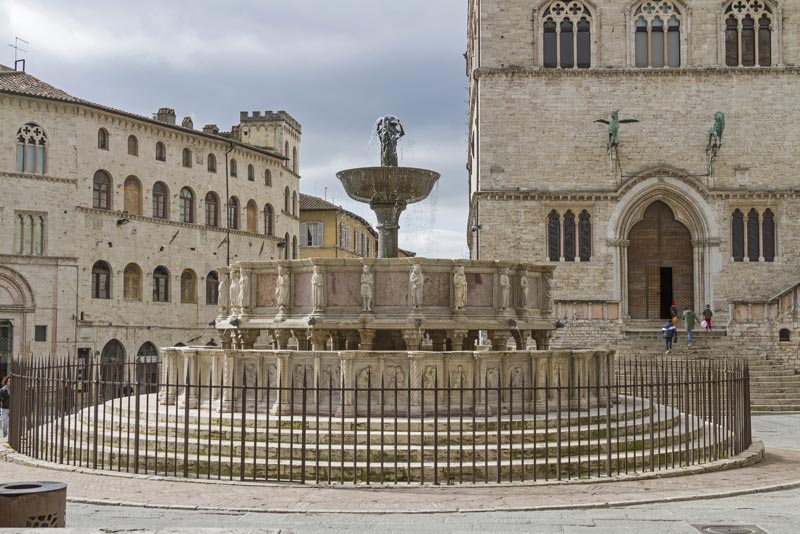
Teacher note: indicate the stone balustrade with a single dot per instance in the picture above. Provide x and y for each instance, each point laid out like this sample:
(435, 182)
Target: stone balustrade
(345, 383)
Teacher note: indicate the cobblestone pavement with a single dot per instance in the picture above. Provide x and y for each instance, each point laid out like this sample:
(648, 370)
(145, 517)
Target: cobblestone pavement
(774, 512)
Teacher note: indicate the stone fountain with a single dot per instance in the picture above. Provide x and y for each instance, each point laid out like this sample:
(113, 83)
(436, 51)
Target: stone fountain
(388, 189)
(410, 322)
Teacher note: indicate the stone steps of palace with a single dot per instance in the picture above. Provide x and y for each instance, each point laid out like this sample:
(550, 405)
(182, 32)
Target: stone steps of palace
(261, 468)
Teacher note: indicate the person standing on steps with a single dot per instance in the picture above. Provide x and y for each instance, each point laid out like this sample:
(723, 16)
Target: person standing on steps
(689, 321)
(673, 314)
(668, 330)
(707, 315)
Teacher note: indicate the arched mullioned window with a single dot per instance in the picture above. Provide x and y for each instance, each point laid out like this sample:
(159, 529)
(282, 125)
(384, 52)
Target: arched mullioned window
(286, 250)
(269, 220)
(287, 199)
(188, 287)
(133, 195)
(187, 158)
(212, 163)
(31, 149)
(295, 164)
(294, 203)
(187, 205)
(569, 236)
(133, 146)
(233, 213)
(768, 235)
(286, 153)
(161, 152)
(101, 191)
(554, 236)
(102, 139)
(567, 35)
(212, 209)
(101, 281)
(737, 235)
(251, 173)
(212, 288)
(29, 234)
(161, 284)
(160, 201)
(657, 39)
(234, 168)
(748, 33)
(132, 281)
(752, 235)
(585, 236)
(294, 248)
(252, 216)
(268, 178)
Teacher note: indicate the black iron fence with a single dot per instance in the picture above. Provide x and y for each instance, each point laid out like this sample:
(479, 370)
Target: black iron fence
(649, 416)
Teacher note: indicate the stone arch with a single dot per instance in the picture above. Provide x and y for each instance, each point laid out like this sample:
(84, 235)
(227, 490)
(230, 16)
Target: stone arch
(685, 197)
(112, 369)
(17, 307)
(17, 287)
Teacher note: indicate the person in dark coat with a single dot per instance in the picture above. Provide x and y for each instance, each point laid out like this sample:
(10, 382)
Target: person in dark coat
(668, 331)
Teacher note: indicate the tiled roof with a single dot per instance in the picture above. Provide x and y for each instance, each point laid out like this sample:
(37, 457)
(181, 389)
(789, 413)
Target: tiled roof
(312, 203)
(21, 83)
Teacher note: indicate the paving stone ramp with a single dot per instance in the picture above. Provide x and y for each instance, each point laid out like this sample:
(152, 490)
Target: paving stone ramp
(774, 384)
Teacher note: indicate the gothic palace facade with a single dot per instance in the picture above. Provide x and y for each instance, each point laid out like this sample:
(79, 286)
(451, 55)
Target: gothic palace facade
(670, 213)
(113, 224)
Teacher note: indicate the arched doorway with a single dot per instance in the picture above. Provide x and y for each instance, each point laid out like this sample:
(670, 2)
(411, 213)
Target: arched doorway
(660, 264)
(6, 346)
(112, 369)
(147, 367)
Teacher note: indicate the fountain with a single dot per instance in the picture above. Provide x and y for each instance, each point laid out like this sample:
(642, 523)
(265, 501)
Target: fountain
(388, 189)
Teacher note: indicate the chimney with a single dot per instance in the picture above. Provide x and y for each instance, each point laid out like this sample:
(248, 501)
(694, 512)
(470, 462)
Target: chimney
(187, 123)
(212, 129)
(166, 115)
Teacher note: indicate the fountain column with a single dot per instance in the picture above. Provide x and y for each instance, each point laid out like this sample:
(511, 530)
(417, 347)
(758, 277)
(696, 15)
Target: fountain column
(388, 225)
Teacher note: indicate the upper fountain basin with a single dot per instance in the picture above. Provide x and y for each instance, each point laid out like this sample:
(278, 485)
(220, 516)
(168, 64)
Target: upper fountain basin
(388, 185)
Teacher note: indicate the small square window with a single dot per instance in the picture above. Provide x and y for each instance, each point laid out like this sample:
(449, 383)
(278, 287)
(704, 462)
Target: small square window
(40, 333)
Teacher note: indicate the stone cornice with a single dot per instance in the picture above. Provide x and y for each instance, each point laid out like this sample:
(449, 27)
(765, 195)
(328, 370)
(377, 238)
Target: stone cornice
(125, 215)
(607, 196)
(38, 177)
(10, 259)
(536, 72)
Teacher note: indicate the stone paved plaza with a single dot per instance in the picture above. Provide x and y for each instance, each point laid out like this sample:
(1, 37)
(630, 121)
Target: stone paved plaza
(772, 511)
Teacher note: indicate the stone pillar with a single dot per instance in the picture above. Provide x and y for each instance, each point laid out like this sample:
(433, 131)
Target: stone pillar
(169, 375)
(388, 216)
(283, 404)
(228, 370)
(366, 339)
(346, 402)
(226, 340)
(412, 338)
(439, 341)
(248, 338)
(416, 365)
(499, 339)
(457, 338)
(281, 339)
(481, 401)
(351, 340)
(223, 296)
(189, 375)
(319, 340)
(542, 338)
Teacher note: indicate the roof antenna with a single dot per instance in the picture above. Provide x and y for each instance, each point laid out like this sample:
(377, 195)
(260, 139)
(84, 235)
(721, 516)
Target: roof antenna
(17, 50)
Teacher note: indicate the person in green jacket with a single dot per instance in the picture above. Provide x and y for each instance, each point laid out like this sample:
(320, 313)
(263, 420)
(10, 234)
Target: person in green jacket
(689, 320)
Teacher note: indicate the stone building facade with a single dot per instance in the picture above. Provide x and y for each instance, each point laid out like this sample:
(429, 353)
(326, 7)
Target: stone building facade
(330, 231)
(666, 211)
(113, 226)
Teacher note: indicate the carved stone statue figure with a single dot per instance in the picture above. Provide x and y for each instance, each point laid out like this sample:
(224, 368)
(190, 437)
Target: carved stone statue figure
(318, 289)
(547, 289)
(293, 343)
(244, 289)
(429, 378)
(250, 374)
(516, 377)
(234, 289)
(505, 291)
(389, 131)
(282, 288)
(397, 377)
(461, 289)
(367, 377)
(367, 288)
(613, 128)
(458, 377)
(715, 133)
(524, 287)
(222, 293)
(491, 377)
(416, 282)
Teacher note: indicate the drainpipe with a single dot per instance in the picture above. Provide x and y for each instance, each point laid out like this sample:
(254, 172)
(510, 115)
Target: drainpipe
(227, 207)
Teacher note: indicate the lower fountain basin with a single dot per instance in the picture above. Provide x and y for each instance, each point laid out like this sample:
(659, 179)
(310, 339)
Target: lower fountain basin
(388, 185)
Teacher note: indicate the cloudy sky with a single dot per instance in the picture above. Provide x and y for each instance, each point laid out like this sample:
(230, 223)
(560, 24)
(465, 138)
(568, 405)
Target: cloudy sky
(334, 66)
